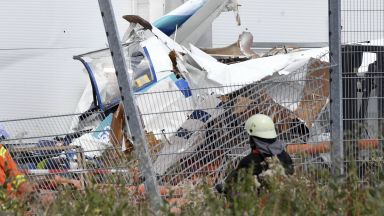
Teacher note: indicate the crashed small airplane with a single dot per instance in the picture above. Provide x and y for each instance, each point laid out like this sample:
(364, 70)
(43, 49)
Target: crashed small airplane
(193, 103)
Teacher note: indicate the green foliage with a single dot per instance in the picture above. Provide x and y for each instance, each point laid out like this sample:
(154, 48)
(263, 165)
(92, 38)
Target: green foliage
(277, 195)
(96, 201)
(7, 205)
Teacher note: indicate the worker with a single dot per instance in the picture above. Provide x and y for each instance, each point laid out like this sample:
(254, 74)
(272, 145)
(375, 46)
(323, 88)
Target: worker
(16, 184)
(264, 144)
(10, 177)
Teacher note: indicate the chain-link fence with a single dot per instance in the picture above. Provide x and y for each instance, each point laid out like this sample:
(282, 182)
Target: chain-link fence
(210, 137)
(199, 138)
(78, 150)
(196, 133)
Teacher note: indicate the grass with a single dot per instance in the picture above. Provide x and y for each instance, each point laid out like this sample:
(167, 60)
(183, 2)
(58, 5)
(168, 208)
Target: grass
(279, 195)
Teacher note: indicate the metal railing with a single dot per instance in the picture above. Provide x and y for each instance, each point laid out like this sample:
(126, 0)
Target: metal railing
(186, 142)
(84, 154)
(210, 136)
(362, 81)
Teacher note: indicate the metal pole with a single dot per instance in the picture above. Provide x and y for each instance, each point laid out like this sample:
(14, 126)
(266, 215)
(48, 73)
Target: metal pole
(336, 108)
(130, 108)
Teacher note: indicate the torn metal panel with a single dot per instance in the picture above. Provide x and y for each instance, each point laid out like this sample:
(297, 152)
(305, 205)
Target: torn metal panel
(192, 103)
(315, 92)
(241, 48)
(286, 95)
(231, 111)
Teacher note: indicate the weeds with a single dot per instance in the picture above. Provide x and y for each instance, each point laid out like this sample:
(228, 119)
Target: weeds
(277, 195)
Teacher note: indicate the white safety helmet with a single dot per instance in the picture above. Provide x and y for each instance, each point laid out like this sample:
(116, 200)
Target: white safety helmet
(262, 126)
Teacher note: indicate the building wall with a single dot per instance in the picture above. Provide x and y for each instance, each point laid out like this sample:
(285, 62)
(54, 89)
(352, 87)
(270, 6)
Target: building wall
(156, 9)
(362, 20)
(275, 21)
(298, 22)
(37, 41)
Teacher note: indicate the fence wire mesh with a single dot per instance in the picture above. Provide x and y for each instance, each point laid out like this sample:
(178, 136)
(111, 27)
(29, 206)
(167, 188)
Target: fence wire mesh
(78, 150)
(195, 139)
(208, 140)
(197, 134)
(362, 71)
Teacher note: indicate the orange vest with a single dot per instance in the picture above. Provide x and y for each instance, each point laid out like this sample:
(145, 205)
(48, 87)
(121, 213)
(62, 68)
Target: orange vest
(10, 176)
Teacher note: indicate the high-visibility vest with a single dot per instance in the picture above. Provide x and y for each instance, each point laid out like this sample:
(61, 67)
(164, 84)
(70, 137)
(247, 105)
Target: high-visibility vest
(10, 176)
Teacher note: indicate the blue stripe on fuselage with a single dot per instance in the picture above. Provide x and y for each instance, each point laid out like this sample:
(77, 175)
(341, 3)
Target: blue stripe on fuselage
(176, 18)
(167, 24)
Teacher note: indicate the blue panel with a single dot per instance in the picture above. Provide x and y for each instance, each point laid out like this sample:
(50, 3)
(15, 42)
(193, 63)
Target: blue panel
(102, 131)
(184, 87)
(94, 84)
(150, 64)
(167, 24)
(146, 86)
(200, 115)
(3, 133)
(178, 16)
(184, 133)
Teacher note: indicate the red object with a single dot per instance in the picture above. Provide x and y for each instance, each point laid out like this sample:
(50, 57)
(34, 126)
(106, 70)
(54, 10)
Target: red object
(324, 147)
(255, 151)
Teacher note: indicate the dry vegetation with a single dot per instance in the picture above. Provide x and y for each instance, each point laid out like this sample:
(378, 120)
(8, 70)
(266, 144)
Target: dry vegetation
(279, 195)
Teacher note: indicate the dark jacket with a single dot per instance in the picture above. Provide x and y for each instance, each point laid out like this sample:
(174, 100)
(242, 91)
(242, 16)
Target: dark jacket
(257, 160)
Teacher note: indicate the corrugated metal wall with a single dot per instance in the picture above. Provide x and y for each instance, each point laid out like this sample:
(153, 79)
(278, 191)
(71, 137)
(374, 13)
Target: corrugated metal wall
(362, 20)
(37, 41)
(275, 21)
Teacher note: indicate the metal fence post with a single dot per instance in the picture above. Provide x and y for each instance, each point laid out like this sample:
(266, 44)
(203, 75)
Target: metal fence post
(336, 108)
(130, 108)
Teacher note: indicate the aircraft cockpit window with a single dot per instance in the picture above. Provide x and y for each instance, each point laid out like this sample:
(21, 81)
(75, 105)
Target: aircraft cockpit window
(141, 72)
